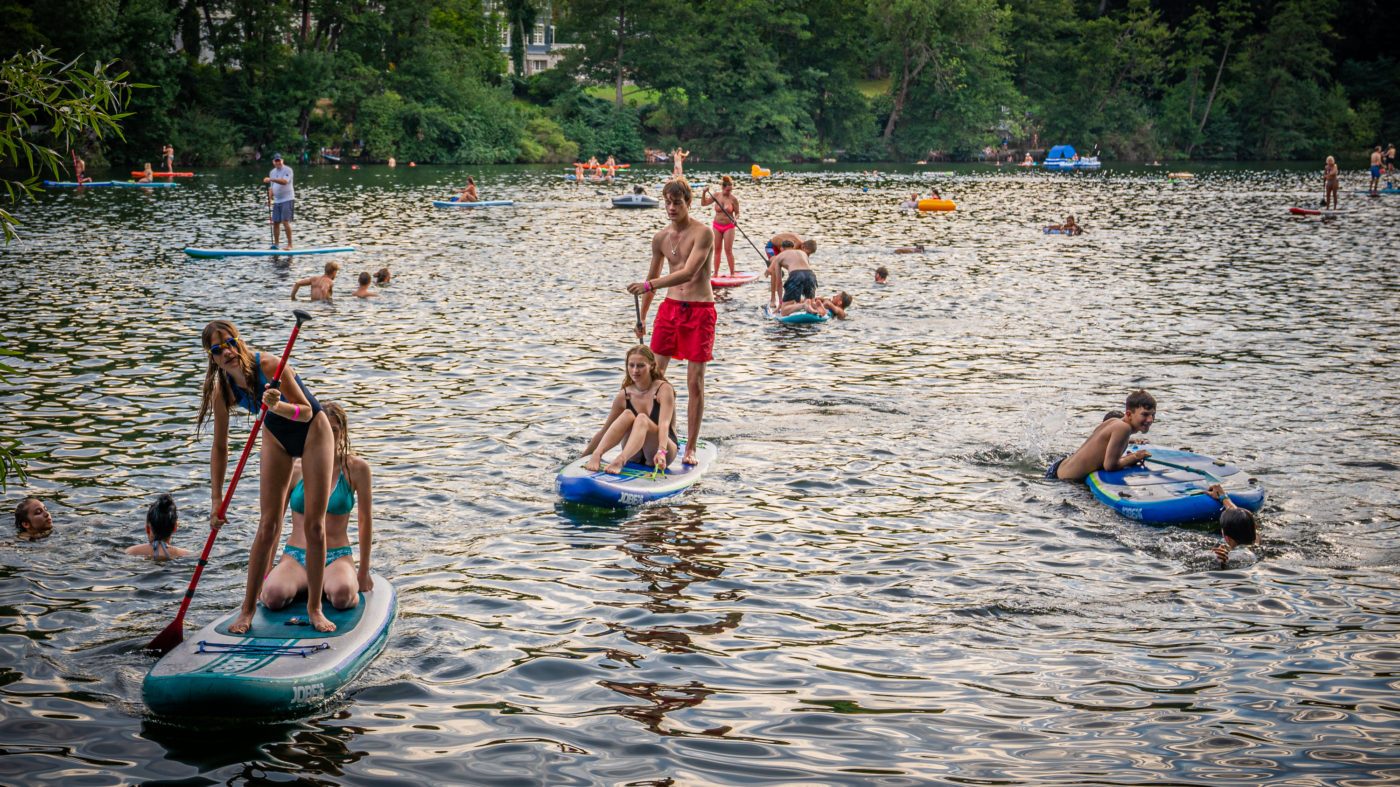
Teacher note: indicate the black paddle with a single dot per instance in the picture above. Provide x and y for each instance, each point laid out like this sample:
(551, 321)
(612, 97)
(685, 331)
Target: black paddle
(174, 633)
(637, 301)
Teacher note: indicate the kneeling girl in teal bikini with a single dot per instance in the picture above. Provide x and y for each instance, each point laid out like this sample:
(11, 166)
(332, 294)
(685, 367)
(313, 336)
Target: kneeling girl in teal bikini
(343, 583)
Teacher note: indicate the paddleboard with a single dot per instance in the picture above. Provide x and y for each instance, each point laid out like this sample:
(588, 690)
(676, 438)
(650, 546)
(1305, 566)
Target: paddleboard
(1049, 231)
(124, 184)
(601, 178)
(445, 203)
(796, 318)
(68, 184)
(636, 484)
(281, 667)
(587, 167)
(1162, 495)
(737, 280)
(1316, 212)
(139, 173)
(694, 187)
(193, 252)
(1367, 192)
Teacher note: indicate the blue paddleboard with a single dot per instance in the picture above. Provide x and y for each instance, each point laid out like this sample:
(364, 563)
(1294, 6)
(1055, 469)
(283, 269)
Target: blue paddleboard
(193, 252)
(281, 667)
(1157, 494)
(796, 318)
(447, 203)
(68, 184)
(636, 484)
(131, 184)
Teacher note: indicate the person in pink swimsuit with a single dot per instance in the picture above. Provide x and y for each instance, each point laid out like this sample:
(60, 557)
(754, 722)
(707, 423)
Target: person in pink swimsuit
(726, 213)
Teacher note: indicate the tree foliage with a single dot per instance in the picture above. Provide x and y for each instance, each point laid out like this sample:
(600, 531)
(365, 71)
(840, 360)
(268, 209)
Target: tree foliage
(737, 80)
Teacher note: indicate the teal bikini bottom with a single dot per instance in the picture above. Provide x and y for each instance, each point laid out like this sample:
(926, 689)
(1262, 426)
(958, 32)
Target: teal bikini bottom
(332, 555)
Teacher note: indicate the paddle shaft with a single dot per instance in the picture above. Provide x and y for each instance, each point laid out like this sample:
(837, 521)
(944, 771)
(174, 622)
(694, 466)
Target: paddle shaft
(730, 216)
(177, 626)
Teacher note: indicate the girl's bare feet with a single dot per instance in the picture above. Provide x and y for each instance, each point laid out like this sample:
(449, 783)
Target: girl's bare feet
(615, 466)
(594, 462)
(242, 623)
(319, 621)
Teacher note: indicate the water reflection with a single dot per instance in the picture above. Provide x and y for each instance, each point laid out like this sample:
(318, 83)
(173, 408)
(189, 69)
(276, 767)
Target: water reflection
(873, 583)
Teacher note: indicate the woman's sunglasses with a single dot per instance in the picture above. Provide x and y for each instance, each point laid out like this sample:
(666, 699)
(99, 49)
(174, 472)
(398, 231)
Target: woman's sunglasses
(218, 349)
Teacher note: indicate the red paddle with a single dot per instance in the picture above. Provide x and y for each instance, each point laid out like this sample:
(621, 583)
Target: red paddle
(174, 633)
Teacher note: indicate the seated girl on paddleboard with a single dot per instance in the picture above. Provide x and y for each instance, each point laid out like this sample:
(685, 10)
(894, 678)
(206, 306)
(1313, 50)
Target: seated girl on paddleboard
(343, 583)
(468, 193)
(646, 400)
(238, 376)
(148, 175)
(161, 521)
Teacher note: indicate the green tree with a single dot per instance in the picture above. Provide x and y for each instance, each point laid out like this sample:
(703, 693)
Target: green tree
(45, 106)
(1286, 83)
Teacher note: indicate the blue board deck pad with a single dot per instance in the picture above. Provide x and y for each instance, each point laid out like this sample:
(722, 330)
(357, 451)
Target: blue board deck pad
(636, 484)
(281, 667)
(1156, 493)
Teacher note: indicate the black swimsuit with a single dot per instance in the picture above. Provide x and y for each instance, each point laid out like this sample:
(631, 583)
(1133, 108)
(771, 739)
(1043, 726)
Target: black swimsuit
(291, 434)
(641, 458)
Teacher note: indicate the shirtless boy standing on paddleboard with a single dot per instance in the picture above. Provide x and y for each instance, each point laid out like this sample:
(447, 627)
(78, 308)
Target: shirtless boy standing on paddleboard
(1104, 448)
(685, 321)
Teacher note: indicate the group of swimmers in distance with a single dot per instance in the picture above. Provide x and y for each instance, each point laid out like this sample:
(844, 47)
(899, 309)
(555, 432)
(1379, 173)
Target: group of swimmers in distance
(322, 286)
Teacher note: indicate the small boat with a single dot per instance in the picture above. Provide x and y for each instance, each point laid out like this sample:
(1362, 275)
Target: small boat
(635, 201)
(1063, 158)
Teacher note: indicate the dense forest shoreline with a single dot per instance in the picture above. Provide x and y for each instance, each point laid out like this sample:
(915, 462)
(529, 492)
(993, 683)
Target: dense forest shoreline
(784, 81)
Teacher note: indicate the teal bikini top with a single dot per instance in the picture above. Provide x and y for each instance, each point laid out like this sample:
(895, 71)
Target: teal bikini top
(342, 500)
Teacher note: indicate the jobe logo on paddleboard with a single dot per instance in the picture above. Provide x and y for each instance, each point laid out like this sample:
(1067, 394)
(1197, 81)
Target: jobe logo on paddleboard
(237, 664)
(629, 498)
(311, 692)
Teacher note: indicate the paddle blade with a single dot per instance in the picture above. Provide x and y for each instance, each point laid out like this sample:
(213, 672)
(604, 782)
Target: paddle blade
(170, 638)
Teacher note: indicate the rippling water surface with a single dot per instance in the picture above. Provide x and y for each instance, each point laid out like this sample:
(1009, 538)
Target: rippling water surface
(874, 585)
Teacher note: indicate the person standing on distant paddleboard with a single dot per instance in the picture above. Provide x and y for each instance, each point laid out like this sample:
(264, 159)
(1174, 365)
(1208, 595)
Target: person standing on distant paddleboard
(1104, 448)
(167, 155)
(280, 197)
(685, 321)
(726, 214)
(1376, 159)
(295, 427)
(1331, 177)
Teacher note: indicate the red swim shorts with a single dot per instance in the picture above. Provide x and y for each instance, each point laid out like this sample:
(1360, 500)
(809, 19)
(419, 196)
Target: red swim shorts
(684, 330)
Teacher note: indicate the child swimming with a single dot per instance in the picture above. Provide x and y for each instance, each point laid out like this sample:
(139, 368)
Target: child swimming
(161, 521)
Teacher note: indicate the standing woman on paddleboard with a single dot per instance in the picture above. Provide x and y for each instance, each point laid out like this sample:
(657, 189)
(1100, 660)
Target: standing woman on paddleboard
(1331, 181)
(726, 214)
(342, 583)
(238, 375)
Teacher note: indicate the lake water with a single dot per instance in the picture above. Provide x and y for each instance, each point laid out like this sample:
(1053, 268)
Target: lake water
(873, 586)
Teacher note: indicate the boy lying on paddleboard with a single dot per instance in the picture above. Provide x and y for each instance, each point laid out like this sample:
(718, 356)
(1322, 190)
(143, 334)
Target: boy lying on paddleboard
(1104, 448)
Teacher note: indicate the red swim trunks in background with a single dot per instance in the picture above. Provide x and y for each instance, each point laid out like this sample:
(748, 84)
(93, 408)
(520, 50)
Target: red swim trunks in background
(684, 330)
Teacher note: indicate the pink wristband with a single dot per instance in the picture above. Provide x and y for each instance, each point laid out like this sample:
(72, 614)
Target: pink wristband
(296, 412)
(646, 285)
